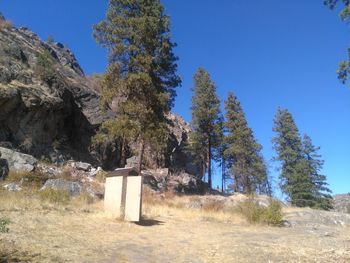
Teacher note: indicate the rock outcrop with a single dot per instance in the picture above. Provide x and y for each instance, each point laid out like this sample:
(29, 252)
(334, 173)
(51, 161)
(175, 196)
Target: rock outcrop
(342, 203)
(51, 110)
(47, 106)
(18, 161)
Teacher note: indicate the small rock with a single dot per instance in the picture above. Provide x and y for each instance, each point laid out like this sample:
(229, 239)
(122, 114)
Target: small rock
(93, 172)
(12, 187)
(82, 166)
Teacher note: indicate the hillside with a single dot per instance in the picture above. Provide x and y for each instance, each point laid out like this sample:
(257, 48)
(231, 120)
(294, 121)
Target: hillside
(51, 109)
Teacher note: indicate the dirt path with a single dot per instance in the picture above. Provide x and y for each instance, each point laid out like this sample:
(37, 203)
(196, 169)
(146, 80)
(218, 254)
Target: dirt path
(68, 236)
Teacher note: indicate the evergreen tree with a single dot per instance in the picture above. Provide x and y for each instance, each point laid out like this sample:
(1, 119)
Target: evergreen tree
(294, 181)
(301, 164)
(321, 192)
(141, 76)
(344, 66)
(242, 153)
(206, 122)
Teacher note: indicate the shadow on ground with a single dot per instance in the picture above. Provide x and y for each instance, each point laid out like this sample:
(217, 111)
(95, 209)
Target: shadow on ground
(149, 222)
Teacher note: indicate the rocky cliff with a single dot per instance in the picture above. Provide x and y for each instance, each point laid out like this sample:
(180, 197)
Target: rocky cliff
(51, 110)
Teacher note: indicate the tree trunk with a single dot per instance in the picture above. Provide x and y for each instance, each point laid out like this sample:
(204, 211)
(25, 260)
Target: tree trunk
(141, 151)
(123, 153)
(236, 185)
(223, 175)
(209, 164)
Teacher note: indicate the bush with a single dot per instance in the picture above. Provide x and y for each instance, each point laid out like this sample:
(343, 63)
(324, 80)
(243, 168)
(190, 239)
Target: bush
(256, 213)
(55, 196)
(5, 24)
(84, 198)
(272, 214)
(3, 225)
(101, 176)
(27, 179)
(45, 68)
(213, 205)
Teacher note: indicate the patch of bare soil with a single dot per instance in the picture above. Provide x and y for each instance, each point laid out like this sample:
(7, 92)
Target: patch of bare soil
(170, 234)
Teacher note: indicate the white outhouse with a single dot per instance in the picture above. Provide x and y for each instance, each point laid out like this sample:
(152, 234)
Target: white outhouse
(123, 194)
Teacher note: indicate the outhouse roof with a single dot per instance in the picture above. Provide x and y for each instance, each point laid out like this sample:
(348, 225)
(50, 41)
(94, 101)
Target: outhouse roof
(127, 171)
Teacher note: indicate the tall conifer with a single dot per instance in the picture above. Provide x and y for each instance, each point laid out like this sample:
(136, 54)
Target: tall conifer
(321, 193)
(300, 165)
(206, 121)
(142, 69)
(242, 153)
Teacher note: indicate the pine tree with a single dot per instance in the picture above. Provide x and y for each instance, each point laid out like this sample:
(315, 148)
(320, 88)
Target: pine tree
(294, 181)
(242, 153)
(344, 66)
(321, 192)
(301, 165)
(206, 122)
(141, 75)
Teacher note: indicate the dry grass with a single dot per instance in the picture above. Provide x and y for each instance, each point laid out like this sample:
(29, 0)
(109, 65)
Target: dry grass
(5, 24)
(170, 232)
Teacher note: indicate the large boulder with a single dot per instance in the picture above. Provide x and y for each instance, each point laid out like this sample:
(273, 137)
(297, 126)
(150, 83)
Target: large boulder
(18, 161)
(73, 188)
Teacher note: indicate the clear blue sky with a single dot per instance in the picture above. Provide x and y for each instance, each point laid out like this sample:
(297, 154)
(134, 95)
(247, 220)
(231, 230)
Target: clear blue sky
(269, 53)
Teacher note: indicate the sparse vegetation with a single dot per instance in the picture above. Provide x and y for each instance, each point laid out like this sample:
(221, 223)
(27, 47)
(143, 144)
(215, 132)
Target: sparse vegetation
(55, 196)
(4, 222)
(101, 176)
(27, 179)
(5, 24)
(45, 67)
(84, 198)
(257, 213)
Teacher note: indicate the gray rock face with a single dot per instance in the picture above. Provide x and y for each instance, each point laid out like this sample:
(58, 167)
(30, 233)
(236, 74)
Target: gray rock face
(12, 187)
(54, 116)
(73, 188)
(342, 203)
(18, 161)
(161, 180)
(51, 117)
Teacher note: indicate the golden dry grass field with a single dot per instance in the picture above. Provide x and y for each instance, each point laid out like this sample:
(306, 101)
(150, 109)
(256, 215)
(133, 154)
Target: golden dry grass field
(79, 232)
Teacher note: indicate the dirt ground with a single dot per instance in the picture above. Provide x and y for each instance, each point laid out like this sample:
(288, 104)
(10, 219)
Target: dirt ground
(65, 234)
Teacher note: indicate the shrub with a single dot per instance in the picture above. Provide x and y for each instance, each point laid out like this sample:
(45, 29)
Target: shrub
(256, 213)
(272, 214)
(348, 209)
(84, 198)
(27, 179)
(55, 196)
(45, 67)
(5, 24)
(101, 176)
(213, 205)
(4, 222)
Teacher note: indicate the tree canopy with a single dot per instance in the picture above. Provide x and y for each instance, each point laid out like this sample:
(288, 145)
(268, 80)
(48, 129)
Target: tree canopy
(141, 76)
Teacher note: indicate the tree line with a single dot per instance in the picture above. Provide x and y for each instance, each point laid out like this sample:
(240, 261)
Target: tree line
(142, 78)
(228, 140)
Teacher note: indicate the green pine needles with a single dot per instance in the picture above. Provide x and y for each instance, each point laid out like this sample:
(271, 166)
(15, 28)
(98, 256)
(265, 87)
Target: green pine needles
(206, 122)
(243, 153)
(141, 72)
(300, 177)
